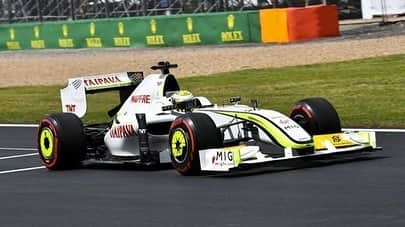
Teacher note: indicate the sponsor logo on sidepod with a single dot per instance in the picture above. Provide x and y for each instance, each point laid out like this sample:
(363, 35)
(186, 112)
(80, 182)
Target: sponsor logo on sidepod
(122, 131)
(141, 99)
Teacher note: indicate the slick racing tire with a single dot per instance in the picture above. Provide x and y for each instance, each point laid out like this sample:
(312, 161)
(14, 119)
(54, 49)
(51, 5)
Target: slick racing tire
(189, 134)
(316, 116)
(61, 141)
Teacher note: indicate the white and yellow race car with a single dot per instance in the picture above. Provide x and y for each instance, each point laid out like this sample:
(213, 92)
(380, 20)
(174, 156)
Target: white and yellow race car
(156, 122)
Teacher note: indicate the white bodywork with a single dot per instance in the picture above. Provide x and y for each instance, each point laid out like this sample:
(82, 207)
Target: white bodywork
(149, 98)
(283, 123)
(224, 159)
(73, 97)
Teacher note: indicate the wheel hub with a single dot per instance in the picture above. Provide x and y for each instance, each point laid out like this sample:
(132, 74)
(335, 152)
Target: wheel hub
(179, 145)
(46, 143)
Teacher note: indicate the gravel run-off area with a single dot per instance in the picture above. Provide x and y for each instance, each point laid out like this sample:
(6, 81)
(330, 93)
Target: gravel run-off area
(48, 67)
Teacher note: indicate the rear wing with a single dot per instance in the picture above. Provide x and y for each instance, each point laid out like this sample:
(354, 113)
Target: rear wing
(73, 96)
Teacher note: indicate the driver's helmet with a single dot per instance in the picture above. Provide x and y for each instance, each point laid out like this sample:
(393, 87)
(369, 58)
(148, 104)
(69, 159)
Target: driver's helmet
(182, 96)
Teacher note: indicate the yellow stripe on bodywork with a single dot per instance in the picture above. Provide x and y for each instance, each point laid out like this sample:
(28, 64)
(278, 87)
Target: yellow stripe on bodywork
(336, 139)
(344, 139)
(273, 130)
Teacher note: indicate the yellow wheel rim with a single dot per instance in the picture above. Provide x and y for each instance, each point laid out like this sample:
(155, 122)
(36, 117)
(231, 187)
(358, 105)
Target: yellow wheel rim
(178, 143)
(46, 142)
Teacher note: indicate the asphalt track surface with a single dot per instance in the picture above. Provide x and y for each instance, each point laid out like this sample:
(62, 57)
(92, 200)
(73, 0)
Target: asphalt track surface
(361, 192)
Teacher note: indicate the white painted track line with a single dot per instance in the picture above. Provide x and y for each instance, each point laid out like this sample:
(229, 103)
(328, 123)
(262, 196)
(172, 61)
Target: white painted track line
(19, 125)
(18, 156)
(375, 129)
(18, 149)
(22, 170)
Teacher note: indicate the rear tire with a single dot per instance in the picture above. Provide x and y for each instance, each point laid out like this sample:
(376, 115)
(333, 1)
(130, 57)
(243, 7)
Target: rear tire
(316, 115)
(189, 134)
(61, 141)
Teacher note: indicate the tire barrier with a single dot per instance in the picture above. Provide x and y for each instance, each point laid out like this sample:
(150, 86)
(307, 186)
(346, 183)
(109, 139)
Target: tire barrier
(298, 24)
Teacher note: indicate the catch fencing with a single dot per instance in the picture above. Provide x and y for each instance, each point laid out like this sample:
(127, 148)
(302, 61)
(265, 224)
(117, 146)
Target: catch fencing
(12, 11)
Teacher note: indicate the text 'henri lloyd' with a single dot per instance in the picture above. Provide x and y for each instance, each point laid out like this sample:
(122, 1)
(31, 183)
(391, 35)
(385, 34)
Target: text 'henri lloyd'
(102, 81)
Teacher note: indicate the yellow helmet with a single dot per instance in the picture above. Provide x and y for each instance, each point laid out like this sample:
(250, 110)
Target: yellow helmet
(182, 96)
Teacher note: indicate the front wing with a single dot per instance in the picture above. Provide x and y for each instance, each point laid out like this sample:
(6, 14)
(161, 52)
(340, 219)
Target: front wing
(328, 145)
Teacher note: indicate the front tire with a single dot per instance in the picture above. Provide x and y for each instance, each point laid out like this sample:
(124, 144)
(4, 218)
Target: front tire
(61, 141)
(316, 115)
(189, 134)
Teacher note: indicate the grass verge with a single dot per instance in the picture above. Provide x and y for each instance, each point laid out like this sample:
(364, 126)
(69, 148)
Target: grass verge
(366, 93)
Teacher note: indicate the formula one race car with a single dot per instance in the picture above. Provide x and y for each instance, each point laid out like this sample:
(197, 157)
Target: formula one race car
(157, 122)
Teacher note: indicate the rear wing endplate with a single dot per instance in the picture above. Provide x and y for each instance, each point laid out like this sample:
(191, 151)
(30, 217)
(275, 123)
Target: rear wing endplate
(73, 96)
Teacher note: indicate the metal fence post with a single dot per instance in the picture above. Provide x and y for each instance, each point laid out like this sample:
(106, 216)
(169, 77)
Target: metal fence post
(383, 12)
(72, 10)
(107, 8)
(9, 8)
(39, 7)
(144, 7)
